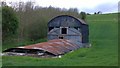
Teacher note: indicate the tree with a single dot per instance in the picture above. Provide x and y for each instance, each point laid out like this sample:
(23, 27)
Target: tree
(3, 3)
(83, 15)
(9, 22)
(95, 13)
(75, 10)
(88, 14)
(99, 12)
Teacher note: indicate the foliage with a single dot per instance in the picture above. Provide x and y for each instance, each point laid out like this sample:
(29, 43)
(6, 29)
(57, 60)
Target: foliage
(9, 22)
(83, 15)
(99, 12)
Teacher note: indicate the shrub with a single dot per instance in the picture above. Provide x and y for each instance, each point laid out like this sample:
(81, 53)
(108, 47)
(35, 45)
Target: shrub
(9, 22)
(83, 15)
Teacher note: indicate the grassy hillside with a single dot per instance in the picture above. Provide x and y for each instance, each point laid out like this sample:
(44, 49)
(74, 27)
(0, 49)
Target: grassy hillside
(104, 50)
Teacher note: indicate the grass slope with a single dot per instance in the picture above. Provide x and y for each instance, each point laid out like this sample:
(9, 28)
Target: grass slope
(104, 50)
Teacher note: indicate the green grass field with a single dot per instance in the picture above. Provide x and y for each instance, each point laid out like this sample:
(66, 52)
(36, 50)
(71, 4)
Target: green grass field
(104, 50)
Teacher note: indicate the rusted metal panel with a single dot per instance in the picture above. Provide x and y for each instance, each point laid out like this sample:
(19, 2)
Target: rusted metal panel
(56, 46)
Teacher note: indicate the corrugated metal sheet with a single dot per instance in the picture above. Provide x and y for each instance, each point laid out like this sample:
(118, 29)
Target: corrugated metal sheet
(76, 29)
(56, 46)
(66, 20)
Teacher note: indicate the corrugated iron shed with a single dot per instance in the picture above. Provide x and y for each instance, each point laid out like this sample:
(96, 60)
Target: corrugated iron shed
(55, 47)
(68, 27)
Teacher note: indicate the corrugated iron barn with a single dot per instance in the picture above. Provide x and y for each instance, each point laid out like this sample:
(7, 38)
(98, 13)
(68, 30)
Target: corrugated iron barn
(70, 28)
(65, 33)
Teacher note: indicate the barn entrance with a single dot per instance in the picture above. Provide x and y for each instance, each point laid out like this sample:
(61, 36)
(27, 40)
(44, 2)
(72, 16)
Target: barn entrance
(60, 37)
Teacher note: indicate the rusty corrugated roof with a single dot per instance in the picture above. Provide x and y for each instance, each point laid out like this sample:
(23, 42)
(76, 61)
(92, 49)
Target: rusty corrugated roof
(56, 46)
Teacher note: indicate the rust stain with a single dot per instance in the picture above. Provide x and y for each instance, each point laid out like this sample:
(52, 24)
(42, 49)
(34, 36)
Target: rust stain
(56, 46)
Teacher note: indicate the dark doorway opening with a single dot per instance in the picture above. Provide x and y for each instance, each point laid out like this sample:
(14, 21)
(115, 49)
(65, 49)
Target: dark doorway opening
(60, 37)
(64, 31)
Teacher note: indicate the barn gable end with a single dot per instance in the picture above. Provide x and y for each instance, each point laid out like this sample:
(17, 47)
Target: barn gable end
(70, 28)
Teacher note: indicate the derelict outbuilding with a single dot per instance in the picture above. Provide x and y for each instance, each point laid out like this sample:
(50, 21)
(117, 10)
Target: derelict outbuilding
(70, 28)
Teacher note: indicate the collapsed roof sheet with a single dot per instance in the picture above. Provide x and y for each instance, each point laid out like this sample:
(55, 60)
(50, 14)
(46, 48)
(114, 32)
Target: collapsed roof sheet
(56, 46)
